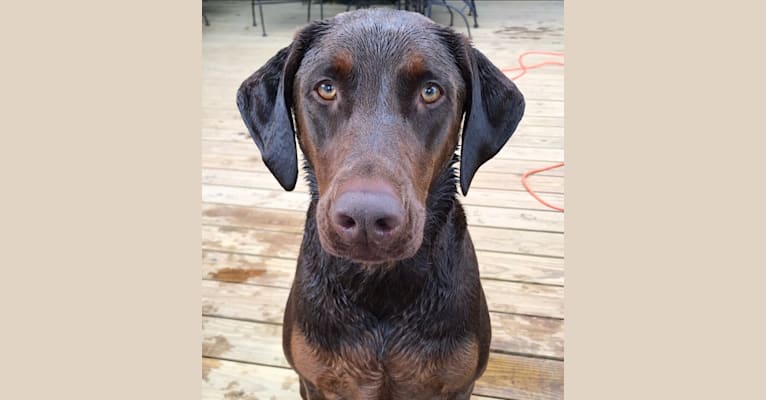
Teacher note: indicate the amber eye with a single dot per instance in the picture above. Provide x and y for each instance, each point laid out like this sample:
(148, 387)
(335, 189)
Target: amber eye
(326, 90)
(431, 93)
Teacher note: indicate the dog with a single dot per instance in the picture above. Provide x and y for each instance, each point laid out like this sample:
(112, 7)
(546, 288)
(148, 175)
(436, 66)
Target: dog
(386, 302)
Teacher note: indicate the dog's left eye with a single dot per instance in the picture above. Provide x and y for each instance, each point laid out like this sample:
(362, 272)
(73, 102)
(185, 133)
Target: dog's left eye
(430, 93)
(326, 90)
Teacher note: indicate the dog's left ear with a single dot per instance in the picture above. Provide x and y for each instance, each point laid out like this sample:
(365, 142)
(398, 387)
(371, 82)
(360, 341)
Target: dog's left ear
(493, 111)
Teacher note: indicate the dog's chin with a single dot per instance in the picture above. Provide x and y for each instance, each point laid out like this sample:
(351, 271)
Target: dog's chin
(370, 255)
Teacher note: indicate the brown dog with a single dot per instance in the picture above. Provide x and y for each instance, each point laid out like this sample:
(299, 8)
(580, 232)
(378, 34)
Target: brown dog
(386, 301)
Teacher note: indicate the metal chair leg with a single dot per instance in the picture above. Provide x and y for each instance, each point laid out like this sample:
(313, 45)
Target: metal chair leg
(429, 4)
(263, 24)
(204, 17)
(252, 10)
(308, 16)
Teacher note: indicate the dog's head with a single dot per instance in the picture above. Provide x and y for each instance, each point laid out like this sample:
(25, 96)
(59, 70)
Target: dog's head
(378, 98)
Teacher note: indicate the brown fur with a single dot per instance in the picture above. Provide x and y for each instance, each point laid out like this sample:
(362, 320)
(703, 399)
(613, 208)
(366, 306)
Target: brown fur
(355, 373)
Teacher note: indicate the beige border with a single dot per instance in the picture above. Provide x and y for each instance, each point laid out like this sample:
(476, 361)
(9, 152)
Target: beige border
(100, 200)
(663, 222)
(100, 211)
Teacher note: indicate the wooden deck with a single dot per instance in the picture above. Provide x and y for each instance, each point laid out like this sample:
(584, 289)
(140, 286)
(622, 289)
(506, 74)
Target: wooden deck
(252, 228)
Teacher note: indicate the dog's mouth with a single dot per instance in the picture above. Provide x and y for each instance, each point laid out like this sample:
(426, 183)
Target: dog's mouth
(370, 253)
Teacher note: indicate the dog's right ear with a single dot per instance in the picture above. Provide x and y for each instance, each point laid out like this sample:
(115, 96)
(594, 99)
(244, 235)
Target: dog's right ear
(265, 103)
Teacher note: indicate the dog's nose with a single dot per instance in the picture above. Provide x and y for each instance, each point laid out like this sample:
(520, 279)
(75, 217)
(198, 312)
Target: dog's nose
(364, 215)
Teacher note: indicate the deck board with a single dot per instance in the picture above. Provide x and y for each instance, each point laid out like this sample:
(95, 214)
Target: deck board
(272, 215)
(252, 228)
(287, 244)
(266, 303)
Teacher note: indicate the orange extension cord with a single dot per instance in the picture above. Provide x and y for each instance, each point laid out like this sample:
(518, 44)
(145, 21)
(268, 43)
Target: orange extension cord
(524, 68)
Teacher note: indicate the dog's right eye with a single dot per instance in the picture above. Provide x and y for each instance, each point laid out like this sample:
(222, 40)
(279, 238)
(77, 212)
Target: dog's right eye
(430, 93)
(326, 90)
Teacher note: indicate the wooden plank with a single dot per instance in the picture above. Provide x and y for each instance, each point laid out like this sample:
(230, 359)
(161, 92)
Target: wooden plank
(483, 180)
(286, 244)
(271, 271)
(522, 334)
(492, 177)
(521, 267)
(264, 180)
(516, 377)
(251, 197)
(261, 343)
(273, 216)
(265, 304)
(524, 298)
(243, 268)
(510, 198)
(246, 341)
(547, 244)
(251, 217)
(543, 121)
(240, 301)
(514, 219)
(299, 198)
(228, 107)
(519, 138)
(228, 380)
(529, 125)
(507, 153)
(492, 265)
(253, 162)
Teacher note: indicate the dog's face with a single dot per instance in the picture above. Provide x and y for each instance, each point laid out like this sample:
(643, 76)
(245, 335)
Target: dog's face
(378, 98)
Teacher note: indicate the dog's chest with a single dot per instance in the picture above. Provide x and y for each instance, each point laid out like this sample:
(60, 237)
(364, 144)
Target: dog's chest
(360, 370)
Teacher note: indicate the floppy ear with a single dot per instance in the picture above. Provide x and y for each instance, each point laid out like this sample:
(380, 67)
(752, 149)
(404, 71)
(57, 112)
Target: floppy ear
(265, 103)
(261, 102)
(493, 111)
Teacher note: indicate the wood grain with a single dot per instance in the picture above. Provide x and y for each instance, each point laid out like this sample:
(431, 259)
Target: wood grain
(273, 271)
(286, 244)
(266, 304)
(268, 196)
(280, 216)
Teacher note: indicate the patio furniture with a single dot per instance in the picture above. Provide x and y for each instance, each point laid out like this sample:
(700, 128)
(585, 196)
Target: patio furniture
(262, 2)
(421, 6)
(368, 3)
(470, 4)
(321, 10)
